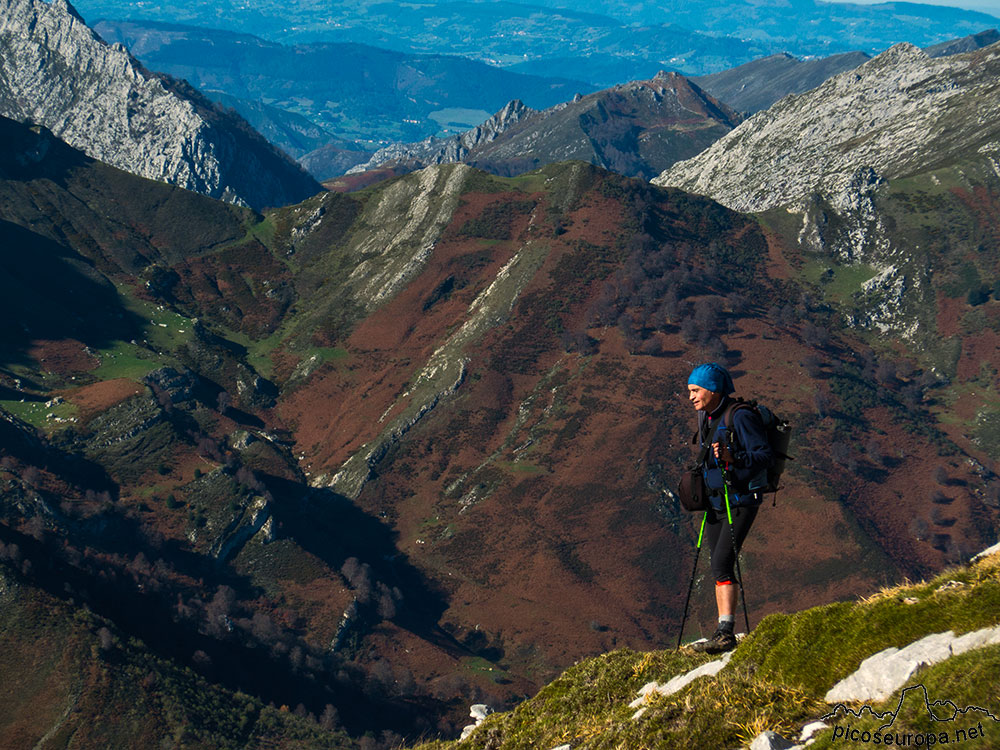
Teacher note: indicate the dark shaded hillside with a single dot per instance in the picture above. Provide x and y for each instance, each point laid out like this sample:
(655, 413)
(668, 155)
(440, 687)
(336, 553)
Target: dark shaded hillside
(398, 451)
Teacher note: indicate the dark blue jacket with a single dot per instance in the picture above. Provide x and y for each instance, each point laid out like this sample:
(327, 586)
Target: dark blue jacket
(752, 455)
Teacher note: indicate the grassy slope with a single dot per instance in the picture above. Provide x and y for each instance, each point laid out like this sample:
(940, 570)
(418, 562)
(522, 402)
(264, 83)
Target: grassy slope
(776, 679)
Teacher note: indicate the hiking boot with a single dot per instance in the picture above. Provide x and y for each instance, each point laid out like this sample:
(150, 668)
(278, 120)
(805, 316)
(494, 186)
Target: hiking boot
(720, 642)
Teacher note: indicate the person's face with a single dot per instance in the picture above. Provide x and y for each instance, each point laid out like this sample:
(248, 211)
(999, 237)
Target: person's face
(703, 399)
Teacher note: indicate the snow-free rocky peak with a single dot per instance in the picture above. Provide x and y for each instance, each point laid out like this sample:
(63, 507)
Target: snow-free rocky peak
(636, 129)
(56, 71)
(897, 114)
(448, 150)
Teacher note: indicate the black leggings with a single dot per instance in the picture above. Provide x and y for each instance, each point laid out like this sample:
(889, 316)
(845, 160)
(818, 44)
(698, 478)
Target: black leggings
(720, 540)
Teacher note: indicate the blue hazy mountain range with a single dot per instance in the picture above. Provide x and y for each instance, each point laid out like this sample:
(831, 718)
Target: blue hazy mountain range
(354, 92)
(601, 41)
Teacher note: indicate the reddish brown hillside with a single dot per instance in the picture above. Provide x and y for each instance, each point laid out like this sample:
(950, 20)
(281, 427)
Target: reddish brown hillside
(413, 451)
(532, 494)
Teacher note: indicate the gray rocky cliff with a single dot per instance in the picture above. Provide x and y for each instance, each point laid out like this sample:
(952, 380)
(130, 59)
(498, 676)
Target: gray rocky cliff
(897, 114)
(831, 156)
(54, 70)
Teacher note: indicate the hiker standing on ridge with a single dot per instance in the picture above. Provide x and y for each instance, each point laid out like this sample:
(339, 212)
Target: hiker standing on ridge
(737, 456)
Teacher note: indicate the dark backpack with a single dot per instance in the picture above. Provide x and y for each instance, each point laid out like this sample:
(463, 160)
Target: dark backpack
(779, 434)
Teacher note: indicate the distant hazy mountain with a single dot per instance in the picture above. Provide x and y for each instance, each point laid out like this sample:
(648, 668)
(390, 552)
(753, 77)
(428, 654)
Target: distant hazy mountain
(965, 44)
(525, 38)
(292, 133)
(802, 26)
(333, 159)
(759, 84)
(353, 91)
(630, 53)
(96, 97)
(601, 41)
(636, 129)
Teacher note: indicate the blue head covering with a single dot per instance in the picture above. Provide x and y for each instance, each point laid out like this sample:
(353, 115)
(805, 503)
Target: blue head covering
(714, 377)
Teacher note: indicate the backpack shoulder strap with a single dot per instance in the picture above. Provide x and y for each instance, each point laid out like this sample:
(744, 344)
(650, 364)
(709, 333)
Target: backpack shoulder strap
(700, 439)
(736, 405)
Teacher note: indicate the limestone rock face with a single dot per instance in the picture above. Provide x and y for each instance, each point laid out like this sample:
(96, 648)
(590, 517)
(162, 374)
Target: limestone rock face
(54, 70)
(899, 113)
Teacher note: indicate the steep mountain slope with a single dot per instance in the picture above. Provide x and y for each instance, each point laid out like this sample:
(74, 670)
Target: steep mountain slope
(57, 72)
(758, 84)
(405, 449)
(135, 473)
(635, 129)
(376, 96)
(73, 677)
(898, 114)
(889, 169)
(318, 151)
(413, 156)
(965, 44)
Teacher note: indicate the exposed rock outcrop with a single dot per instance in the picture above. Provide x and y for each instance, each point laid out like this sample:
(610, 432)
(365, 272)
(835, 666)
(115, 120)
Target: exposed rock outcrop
(56, 71)
(897, 114)
(681, 681)
(479, 712)
(831, 155)
(882, 674)
(448, 150)
(769, 740)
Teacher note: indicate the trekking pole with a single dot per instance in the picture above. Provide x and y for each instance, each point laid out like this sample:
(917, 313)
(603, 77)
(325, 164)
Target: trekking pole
(687, 600)
(736, 551)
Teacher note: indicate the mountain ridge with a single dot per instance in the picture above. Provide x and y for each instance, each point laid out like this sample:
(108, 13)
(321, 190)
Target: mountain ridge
(633, 129)
(100, 99)
(859, 119)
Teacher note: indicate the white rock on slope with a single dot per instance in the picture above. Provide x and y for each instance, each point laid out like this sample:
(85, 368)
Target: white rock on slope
(708, 669)
(768, 740)
(56, 71)
(882, 674)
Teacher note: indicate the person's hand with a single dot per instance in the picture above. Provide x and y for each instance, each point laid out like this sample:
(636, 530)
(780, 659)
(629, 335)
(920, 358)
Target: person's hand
(722, 453)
